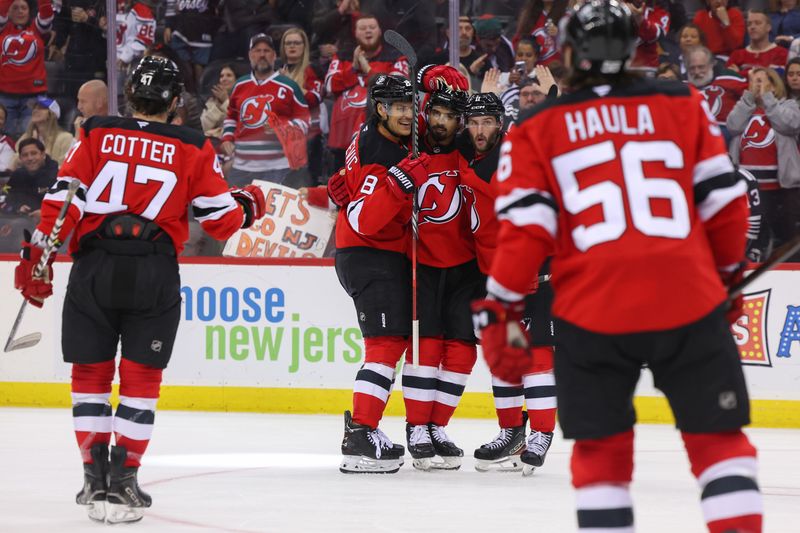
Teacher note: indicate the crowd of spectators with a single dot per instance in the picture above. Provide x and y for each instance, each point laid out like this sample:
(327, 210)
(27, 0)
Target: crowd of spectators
(280, 86)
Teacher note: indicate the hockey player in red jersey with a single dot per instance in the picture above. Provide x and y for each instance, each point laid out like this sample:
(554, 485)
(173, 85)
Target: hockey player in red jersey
(372, 239)
(128, 222)
(632, 192)
(510, 449)
(448, 279)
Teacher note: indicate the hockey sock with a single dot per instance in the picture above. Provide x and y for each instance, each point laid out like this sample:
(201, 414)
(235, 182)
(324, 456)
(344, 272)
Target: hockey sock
(601, 473)
(540, 390)
(375, 378)
(91, 410)
(508, 398)
(419, 383)
(139, 387)
(725, 466)
(459, 358)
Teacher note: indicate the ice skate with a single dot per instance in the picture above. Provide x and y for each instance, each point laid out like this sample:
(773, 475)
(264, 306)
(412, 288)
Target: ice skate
(368, 451)
(126, 500)
(448, 455)
(95, 484)
(420, 446)
(535, 451)
(503, 453)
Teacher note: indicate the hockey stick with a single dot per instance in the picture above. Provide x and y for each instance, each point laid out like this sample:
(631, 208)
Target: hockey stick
(26, 341)
(778, 256)
(401, 45)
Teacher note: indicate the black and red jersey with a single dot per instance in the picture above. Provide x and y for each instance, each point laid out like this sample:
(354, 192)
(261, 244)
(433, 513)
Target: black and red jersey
(632, 191)
(722, 94)
(22, 51)
(151, 169)
(377, 216)
(653, 26)
(758, 152)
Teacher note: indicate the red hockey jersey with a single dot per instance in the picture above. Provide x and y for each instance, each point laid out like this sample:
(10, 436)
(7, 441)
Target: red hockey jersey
(22, 51)
(478, 185)
(252, 103)
(722, 94)
(376, 216)
(634, 193)
(445, 235)
(548, 44)
(136, 32)
(155, 170)
(350, 89)
(744, 59)
(758, 152)
(654, 26)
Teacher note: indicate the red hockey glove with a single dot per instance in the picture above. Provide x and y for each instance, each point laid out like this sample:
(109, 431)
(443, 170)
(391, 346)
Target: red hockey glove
(504, 343)
(317, 196)
(34, 289)
(729, 279)
(337, 189)
(253, 203)
(433, 77)
(409, 173)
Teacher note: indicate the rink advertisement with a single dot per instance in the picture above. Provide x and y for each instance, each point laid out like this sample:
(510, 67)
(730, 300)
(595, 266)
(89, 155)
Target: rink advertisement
(284, 337)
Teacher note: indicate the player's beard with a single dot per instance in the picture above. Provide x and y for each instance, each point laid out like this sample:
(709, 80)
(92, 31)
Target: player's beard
(490, 141)
(441, 135)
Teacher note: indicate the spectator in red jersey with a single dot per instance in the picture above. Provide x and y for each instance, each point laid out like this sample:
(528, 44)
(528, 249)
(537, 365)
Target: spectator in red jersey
(721, 89)
(348, 81)
(653, 22)
(295, 52)
(7, 149)
(44, 126)
(22, 59)
(265, 129)
(36, 174)
(539, 19)
(766, 124)
(217, 104)
(723, 26)
(760, 52)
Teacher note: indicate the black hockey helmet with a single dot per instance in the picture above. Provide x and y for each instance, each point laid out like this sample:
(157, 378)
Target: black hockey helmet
(602, 35)
(455, 100)
(484, 104)
(388, 88)
(157, 79)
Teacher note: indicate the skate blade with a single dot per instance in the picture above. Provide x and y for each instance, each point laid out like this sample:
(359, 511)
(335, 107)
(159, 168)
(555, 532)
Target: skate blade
(356, 464)
(423, 464)
(96, 511)
(446, 463)
(506, 464)
(118, 513)
(527, 470)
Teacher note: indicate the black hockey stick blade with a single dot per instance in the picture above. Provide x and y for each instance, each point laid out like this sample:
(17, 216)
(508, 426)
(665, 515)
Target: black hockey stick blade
(402, 45)
(780, 255)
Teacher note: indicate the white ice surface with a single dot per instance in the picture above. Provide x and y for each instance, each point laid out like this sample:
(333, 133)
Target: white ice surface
(276, 473)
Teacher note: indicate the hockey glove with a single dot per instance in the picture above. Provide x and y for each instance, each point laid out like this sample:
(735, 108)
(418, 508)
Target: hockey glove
(409, 174)
(504, 343)
(729, 279)
(316, 196)
(337, 189)
(34, 288)
(433, 77)
(253, 203)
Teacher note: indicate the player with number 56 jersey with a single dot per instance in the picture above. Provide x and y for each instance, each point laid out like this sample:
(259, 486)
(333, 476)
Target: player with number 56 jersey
(625, 181)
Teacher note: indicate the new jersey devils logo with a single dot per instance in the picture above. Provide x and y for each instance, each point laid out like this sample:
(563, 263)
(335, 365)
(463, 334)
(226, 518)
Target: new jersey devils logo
(440, 198)
(355, 97)
(253, 112)
(713, 95)
(547, 45)
(19, 49)
(758, 134)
